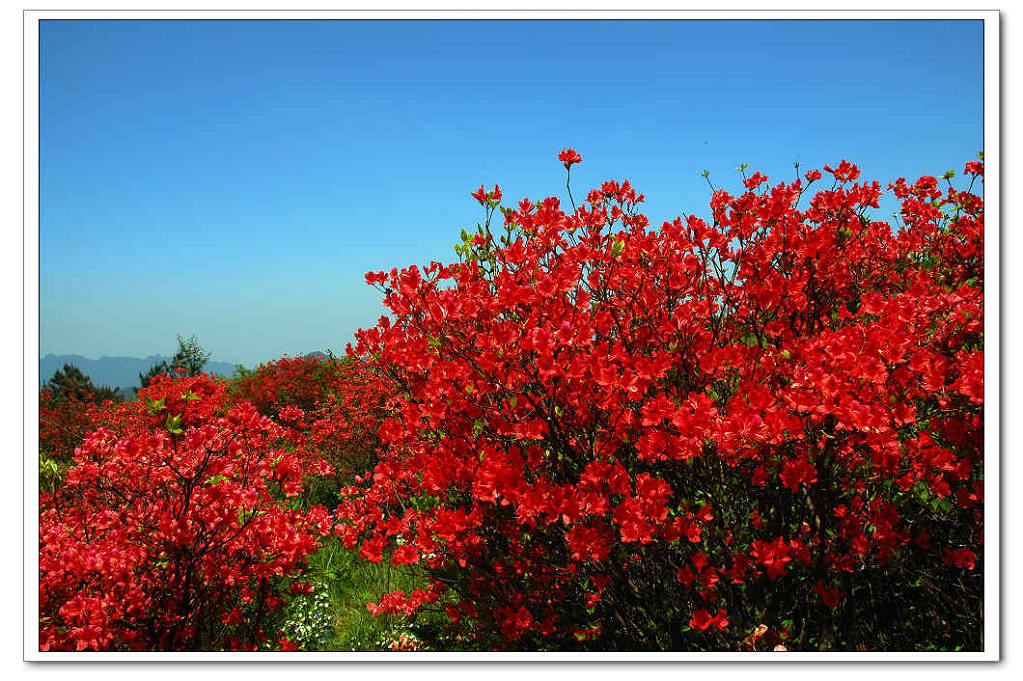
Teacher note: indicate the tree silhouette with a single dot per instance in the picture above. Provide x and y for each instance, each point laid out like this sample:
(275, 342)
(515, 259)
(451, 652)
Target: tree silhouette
(69, 383)
(190, 360)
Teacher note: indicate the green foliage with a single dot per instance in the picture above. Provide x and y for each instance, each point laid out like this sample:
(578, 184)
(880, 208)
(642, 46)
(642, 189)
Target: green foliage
(51, 473)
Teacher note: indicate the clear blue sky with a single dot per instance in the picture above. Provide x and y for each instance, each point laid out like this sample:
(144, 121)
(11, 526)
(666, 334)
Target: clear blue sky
(235, 180)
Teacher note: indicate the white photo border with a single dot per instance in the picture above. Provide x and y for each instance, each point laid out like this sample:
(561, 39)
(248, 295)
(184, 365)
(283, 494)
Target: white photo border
(992, 322)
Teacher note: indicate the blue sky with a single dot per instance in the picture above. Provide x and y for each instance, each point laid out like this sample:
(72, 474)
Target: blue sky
(235, 180)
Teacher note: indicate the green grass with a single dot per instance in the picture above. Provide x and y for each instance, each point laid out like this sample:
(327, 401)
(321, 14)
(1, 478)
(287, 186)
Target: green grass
(352, 582)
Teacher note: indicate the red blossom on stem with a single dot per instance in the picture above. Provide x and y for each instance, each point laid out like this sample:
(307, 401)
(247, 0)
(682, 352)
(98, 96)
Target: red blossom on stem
(569, 157)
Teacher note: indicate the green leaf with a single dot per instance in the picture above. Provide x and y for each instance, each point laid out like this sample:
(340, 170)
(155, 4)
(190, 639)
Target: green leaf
(174, 424)
(617, 247)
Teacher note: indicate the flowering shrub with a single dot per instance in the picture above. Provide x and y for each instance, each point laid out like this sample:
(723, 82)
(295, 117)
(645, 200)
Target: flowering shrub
(343, 428)
(765, 428)
(63, 422)
(69, 407)
(302, 382)
(172, 530)
(330, 406)
(69, 404)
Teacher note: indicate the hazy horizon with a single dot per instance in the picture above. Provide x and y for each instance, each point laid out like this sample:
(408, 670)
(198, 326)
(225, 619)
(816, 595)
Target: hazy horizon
(169, 355)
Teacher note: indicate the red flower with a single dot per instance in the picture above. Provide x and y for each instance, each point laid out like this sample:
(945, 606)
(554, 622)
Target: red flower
(845, 172)
(373, 549)
(831, 597)
(960, 558)
(298, 588)
(772, 555)
(923, 540)
(569, 157)
(702, 620)
(232, 618)
(284, 644)
(798, 471)
(484, 197)
(754, 181)
(588, 543)
(406, 554)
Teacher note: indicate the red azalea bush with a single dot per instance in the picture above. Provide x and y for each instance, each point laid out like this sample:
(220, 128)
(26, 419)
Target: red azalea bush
(68, 411)
(63, 423)
(302, 382)
(343, 428)
(173, 530)
(66, 416)
(331, 406)
(765, 429)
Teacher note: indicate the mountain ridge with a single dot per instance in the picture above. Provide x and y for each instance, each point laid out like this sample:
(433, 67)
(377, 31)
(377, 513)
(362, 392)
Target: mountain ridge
(116, 371)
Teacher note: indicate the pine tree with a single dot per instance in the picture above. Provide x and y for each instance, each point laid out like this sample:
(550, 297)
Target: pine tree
(190, 359)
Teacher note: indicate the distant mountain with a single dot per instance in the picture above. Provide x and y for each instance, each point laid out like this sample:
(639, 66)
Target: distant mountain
(116, 372)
